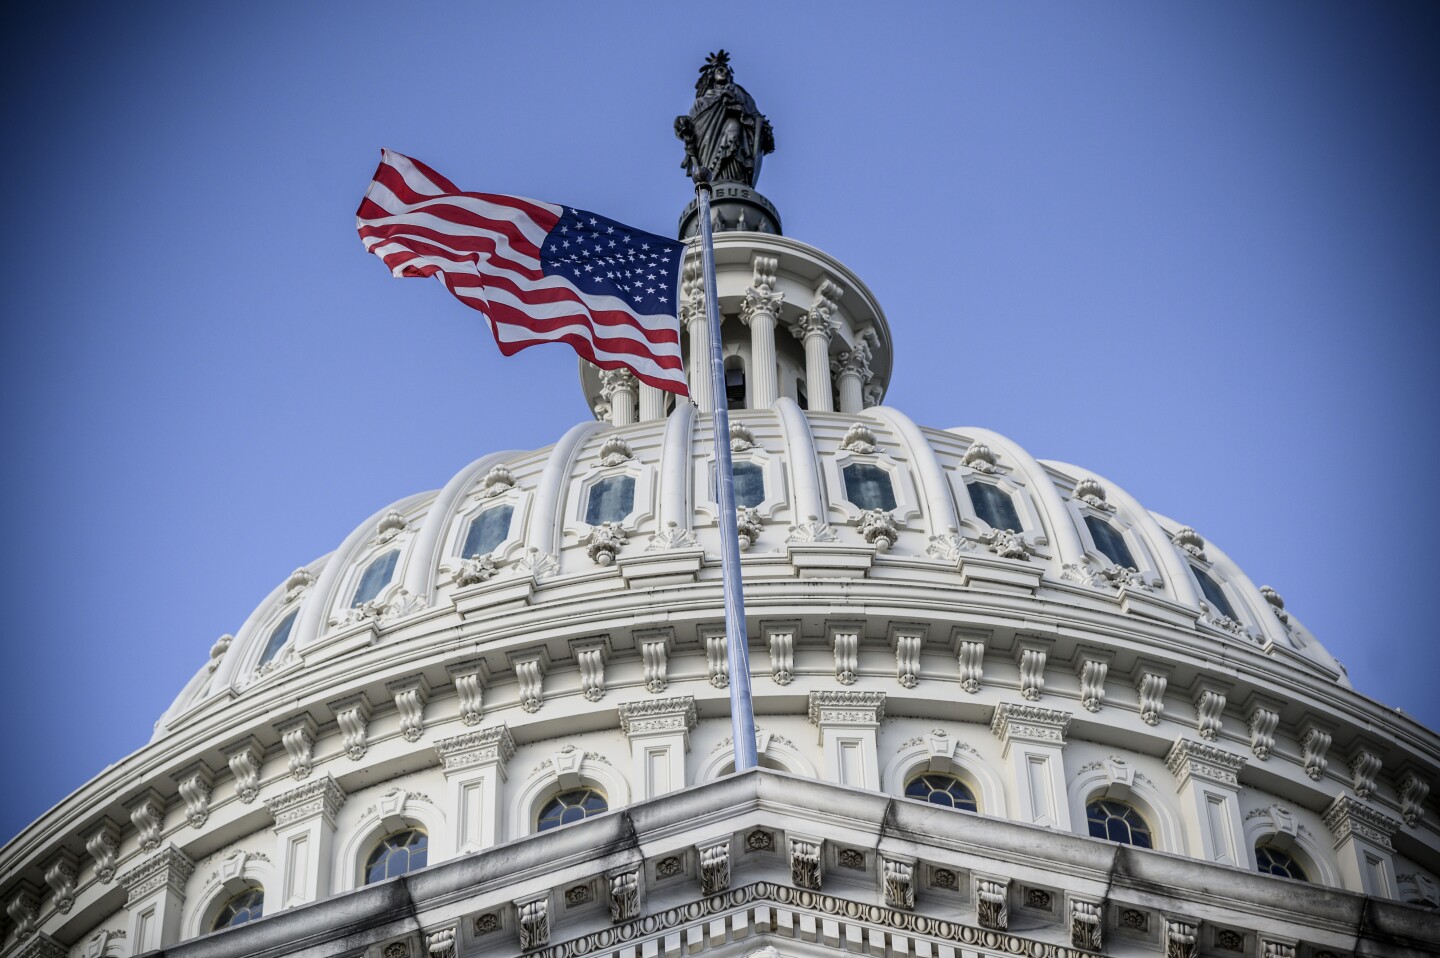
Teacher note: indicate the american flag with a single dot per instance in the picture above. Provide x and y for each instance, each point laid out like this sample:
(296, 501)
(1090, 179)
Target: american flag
(540, 273)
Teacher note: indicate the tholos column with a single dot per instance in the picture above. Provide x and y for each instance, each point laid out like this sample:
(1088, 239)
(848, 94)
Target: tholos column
(815, 329)
(618, 389)
(693, 318)
(758, 311)
(852, 369)
(652, 403)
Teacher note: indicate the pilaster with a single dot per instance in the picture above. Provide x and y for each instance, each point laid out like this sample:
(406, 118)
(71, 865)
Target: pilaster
(154, 897)
(1208, 782)
(848, 721)
(1034, 743)
(659, 733)
(475, 770)
(1363, 846)
(305, 839)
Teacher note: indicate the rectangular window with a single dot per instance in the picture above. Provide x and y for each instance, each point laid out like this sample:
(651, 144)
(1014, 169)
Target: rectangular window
(1110, 542)
(487, 531)
(868, 486)
(994, 506)
(610, 500)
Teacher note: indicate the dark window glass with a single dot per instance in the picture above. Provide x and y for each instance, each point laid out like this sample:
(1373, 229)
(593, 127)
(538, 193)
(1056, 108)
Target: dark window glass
(1109, 541)
(944, 790)
(610, 500)
(278, 638)
(800, 399)
(868, 486)
(400, 853)
(1274, 861)
(1117, 822)
(1214, 594)
(749, 484)
(246, 906)
(994, 506)
(487, 530)
(376, 577)
(571, 806)
(734, 386)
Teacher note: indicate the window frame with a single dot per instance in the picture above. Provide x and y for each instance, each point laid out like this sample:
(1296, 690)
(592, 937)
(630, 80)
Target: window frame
(365, 864)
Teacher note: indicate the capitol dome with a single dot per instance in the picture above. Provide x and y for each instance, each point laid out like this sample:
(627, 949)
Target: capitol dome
(1001, 707)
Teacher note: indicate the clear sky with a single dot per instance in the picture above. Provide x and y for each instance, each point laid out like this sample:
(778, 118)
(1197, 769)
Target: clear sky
(1193, 247)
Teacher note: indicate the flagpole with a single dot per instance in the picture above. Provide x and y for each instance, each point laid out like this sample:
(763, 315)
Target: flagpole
(737, 643)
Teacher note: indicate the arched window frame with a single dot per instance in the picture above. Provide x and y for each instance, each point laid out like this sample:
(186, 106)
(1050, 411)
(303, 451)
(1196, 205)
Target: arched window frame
(832, 466)
(1264, 826)
(945, 755)
(519, 502)
(566, 770)
(774, 751)
(395, 810)
(238, 871)
(1117, 780)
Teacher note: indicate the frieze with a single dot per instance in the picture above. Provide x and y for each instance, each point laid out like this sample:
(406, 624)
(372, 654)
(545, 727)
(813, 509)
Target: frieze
(1029, 723)
(649, 716)
(1346, 818)
(846, 707)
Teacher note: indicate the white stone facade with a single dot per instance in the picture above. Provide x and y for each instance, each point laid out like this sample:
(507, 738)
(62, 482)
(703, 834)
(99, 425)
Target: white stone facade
(467, 691)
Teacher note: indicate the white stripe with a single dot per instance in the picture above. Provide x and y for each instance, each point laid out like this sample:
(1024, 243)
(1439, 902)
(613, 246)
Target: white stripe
(651, 321)
(516, 333)
(415, 215)
(421, 184)
(603, 331)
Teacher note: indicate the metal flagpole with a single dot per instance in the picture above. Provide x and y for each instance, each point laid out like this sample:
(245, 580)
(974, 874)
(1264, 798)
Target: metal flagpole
(742, 715)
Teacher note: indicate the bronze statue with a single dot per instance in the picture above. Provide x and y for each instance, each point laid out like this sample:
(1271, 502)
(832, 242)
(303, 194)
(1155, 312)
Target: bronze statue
(724, 131)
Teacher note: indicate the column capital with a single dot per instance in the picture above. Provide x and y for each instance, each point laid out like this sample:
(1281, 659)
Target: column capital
(846, 707)
(854, 361)
(658, 716)
(168, 869)
(1347, 818)
(760, 301)
(41, 945)
(484, 746)
(1187, 760)
(320, 798)
(1030, 723)
(613, 379)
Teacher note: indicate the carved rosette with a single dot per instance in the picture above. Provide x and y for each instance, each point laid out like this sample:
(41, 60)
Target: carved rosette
(748, 525)
(604, 542)
(1007, 544)
(878, 528)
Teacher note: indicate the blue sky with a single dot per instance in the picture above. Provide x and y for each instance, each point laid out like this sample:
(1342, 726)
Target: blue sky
(1192, 247)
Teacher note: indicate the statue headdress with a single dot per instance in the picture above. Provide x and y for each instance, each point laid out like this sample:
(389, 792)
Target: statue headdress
(719, 58)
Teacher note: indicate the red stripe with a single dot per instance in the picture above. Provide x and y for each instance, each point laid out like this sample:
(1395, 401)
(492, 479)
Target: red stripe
(401, 235)
(393, 179)
(602, 317)
(582, 346)
(440, 181)
(511, 316)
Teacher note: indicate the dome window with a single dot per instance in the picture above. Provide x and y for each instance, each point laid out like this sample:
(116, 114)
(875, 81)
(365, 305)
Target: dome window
(571, 806)
(946, 790)
(1214, 594)
(1118, 822)
(487, 531)
(868, 486)
(376, 577)
(610, 500)
(278, 638)
(1275, 861)
(1109, 541)
(397, 854)
(994, 506)
(734, 383)
(242, 909)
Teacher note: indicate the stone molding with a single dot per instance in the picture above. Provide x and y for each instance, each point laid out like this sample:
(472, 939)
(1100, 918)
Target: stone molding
(169, 868)
(483, 746)
(1029, 723)
(1348, 818)
(658, 716)
(322, 797)
(1187, 760)
(846, 707)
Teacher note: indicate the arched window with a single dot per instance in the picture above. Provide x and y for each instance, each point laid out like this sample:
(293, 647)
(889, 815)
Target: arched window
(610, 500)
(946, 790)
(397, 854)
(734, 383)
(1110, 542)
(487, 530)
(994, 506)
(571, 806)
(1214, 594)
(868, 486)
(375, 577)
(278, 638)
(1276, 861)
(244, 907)
(1118, 822)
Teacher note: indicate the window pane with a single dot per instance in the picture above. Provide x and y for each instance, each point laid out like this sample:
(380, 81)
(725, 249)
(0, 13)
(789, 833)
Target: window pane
(734, 387)
(245, 907)
(869, 486)
(1214, 594)
(487, 530)
(1275, 861)
(398, 854)
(279, 637)
(1109, 541)
(1117, 822)
(749, 484)
(571, 806)
(994, 506)
(377, 576)
(611, 500)
(944, 790)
